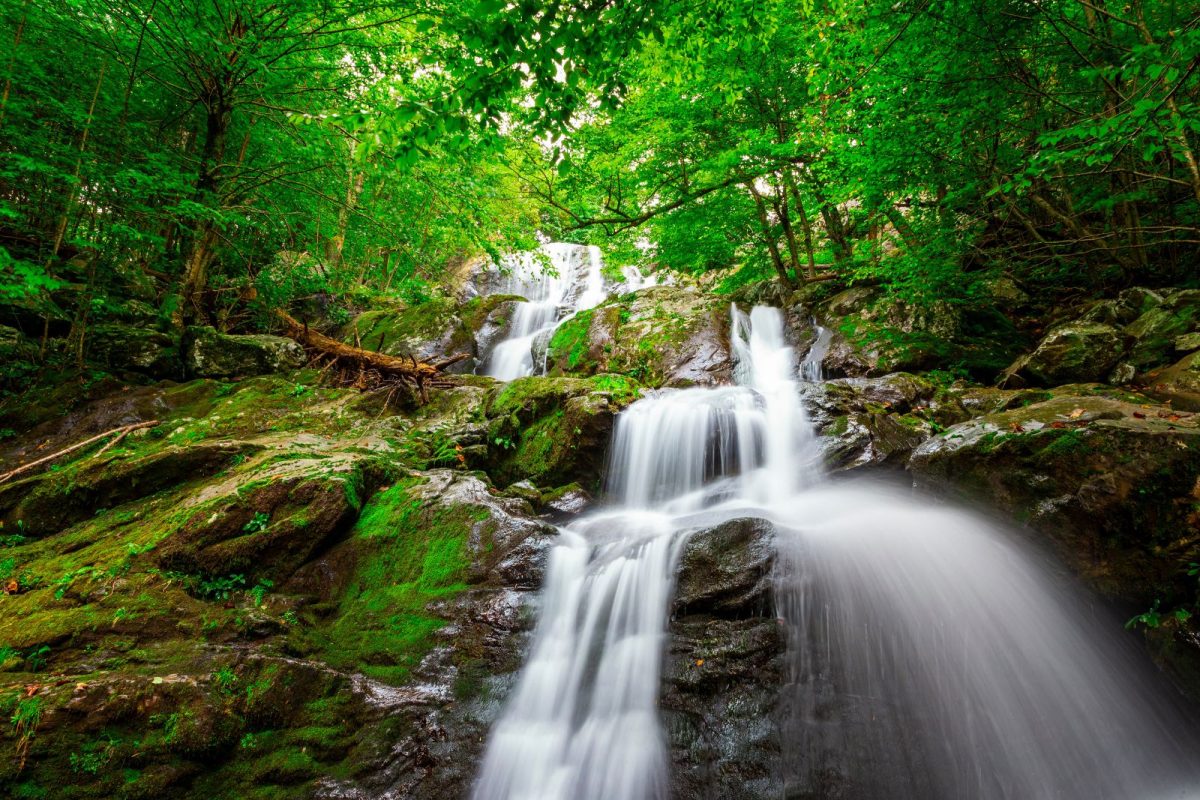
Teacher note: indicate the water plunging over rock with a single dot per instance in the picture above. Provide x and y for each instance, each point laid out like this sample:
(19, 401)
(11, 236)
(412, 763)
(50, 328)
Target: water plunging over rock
(927, 654)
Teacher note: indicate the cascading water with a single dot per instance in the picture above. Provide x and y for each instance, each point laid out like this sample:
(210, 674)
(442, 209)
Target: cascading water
(931, 657)
(575, 282)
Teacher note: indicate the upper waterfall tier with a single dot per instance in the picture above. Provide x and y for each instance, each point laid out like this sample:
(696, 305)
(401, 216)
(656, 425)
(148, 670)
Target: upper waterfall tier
(557, 282)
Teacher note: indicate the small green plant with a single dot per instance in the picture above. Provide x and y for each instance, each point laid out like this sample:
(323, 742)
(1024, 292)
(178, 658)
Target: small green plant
(122, 615)
(258, 522)
(225, 680)
(504, 443)
(248, 742)
(220, 588)
(35, 659)
(26, 716)
(289, 618)
(259, 591)
(299, 390)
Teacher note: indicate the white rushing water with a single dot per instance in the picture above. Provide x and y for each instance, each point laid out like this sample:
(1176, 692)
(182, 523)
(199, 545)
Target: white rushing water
(573, 283)
(931, 655)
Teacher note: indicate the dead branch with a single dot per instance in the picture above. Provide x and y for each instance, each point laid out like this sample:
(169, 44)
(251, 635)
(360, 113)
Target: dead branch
(121, 433)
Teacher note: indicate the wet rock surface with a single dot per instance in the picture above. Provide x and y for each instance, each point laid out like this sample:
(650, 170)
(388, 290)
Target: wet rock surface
(724, 666)
(210, 354)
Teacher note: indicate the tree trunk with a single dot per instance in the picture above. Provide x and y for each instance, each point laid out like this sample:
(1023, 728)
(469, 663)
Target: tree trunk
(768, 237)
(805, 225)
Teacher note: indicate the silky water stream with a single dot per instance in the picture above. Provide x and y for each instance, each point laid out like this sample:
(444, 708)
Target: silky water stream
(931, 654)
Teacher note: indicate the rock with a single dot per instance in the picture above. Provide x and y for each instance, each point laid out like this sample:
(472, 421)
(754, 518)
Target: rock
(1178, 384)
(210, 354)
(1154, 332)
(1187, 343)
(267, 527)
(724, 667)
(434, 329)
(1072, 353)
(567, 501)
(662, 336)
(727, 570)
(554, 431)
(50, 501)
(126, 348)
(1109, 482)
(1122, 374)
(878, 421)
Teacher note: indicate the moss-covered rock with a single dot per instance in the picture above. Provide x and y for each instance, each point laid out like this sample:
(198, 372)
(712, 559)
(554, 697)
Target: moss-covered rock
(208, 353)
(1178, 384)
(661, 336)
(126, 348)
(554, 431)
(1076, 352)
(439, 327)
(1154, 332)
(1110, 482)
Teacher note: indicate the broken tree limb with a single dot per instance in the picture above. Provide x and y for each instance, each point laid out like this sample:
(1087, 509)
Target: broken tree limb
(419, 374)
(120, 432)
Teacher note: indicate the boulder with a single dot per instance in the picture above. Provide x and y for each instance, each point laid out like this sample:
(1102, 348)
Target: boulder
(554, 431)
(1178, 384)
(125, 348)
(434, 329)
(878, 421)
(662, 336)
(1109, 482)
(1155, 331)
(208, 353)
(1075, 352)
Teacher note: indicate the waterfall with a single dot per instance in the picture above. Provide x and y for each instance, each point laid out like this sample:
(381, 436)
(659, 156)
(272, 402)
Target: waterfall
(931, 656)
(574, 282)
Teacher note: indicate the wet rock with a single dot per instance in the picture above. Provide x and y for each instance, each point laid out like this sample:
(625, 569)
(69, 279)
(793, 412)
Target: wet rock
(1107, 481)
(210, 354)
(567, 501)
(724, 667)
(726, 570)
(662, 335)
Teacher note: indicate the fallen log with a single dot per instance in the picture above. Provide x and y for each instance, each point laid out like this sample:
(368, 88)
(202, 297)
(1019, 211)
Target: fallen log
(367, 369)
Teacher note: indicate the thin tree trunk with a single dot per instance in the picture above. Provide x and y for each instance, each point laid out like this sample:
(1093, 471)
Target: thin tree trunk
(61, 228)
(765, 225)
(805, 225)
(12, 60)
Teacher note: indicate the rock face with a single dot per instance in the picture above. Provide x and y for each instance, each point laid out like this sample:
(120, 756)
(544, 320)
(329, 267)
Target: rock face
(662, 336)
(210, 354)
(553, 431)
(722, 674)
(259, 596)
(1111, 483)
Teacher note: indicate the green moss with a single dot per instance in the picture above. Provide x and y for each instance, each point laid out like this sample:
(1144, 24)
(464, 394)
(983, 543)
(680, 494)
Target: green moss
(411, 555)
(1063, 443)
(570, 340)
